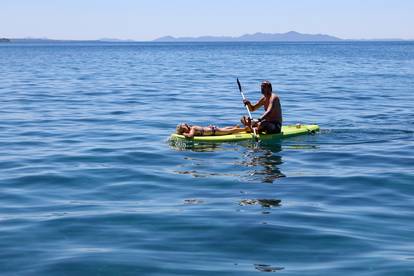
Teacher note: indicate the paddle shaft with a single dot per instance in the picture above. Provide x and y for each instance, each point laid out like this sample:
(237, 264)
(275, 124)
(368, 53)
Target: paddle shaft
(247, 108)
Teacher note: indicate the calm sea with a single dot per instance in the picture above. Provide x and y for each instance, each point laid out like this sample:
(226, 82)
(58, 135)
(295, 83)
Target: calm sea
(90, 184)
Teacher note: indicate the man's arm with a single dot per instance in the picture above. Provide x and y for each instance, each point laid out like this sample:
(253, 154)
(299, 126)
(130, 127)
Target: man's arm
(256, 106)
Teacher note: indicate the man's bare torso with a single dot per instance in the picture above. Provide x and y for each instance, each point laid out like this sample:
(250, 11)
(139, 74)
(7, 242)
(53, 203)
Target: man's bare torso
(276, 114)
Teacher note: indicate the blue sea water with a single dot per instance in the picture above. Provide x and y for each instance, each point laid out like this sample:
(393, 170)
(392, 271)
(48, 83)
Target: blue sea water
(90, 184)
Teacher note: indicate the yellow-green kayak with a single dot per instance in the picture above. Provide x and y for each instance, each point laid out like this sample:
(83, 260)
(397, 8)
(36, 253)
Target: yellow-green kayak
(287, 131)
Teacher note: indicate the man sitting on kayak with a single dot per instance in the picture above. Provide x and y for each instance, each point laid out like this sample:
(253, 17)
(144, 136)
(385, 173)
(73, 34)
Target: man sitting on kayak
(271, 120)
(191, 131)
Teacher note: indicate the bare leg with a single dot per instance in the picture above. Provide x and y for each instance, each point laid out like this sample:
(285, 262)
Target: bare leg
(231, 130)
(229, 127)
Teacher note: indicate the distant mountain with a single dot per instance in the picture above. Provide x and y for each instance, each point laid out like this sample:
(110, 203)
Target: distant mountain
(259, 37)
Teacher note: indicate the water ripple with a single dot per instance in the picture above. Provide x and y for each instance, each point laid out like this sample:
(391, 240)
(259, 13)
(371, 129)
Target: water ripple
(91, 185)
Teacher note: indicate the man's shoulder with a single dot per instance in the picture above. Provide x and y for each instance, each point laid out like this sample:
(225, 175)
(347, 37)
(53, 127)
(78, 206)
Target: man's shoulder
(275, 96)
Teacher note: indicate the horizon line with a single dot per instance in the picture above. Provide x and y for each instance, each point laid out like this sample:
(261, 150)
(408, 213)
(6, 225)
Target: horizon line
(235, 37)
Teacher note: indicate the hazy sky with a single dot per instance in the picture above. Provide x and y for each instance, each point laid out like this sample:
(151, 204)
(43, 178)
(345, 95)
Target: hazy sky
(149, 19)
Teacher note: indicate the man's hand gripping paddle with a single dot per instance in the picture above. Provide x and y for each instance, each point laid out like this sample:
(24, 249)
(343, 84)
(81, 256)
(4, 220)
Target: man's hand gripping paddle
(248, 111)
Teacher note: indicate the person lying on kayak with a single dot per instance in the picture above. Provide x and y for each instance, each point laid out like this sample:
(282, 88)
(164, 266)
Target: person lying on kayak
(191, 131)
(271, 120)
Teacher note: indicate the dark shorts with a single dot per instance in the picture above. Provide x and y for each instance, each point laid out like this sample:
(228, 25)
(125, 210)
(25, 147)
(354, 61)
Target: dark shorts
(270, 127)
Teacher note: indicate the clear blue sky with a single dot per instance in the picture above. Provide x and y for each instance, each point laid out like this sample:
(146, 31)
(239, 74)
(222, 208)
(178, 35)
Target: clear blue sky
(149, 19)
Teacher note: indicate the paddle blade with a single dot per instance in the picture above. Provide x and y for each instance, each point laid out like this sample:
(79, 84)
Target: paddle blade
(238, 83)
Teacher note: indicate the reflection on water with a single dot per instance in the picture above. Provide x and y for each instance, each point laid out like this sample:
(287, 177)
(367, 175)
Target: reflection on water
(199, 174)
(263, 163)
(193, 201)
(267, 268)
(251, 162)
(267, 203)
(260, 162)
(193, 146)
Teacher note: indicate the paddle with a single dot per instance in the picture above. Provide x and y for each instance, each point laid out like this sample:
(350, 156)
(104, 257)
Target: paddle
(248, 111)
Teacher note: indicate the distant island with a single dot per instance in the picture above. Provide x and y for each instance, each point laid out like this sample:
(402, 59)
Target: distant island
(291, 36)
(259, 37)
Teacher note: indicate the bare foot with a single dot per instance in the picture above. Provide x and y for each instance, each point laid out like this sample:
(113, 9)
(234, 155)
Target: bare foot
(245, 121)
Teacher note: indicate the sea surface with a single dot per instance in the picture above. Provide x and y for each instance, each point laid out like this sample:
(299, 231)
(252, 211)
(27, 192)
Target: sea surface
(91, 185)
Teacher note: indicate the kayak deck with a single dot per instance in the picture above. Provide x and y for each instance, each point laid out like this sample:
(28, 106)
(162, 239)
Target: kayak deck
(287, 131)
